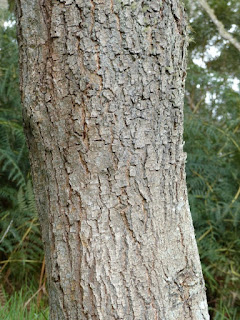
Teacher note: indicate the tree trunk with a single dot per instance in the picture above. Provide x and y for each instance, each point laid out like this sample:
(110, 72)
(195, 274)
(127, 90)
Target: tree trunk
(102, 86)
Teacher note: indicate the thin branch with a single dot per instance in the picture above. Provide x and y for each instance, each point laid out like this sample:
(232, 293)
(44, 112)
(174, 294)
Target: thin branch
(30, 299)
(5, 233)
(222, 31)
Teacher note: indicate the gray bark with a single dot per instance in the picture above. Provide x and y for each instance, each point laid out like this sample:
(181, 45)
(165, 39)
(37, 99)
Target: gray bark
(102, 87)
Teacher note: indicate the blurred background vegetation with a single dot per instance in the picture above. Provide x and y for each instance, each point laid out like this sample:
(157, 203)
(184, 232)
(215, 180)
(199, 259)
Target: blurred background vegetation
(212, 135)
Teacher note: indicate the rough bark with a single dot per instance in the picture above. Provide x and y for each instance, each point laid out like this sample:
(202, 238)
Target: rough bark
(102, 87)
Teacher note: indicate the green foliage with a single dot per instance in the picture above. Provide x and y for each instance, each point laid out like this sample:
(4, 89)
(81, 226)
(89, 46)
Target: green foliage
(20, 245)
(22, 305)
(213, 183)
(205, 35)
(212, 135)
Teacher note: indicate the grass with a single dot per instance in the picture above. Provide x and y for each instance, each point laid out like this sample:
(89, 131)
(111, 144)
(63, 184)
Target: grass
(22, 305)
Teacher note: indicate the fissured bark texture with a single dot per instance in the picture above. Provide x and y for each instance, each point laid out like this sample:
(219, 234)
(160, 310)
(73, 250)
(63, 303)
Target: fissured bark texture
(102, 86)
